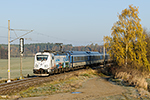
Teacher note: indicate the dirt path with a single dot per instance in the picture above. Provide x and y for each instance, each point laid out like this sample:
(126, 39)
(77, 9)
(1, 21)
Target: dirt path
(92, 89)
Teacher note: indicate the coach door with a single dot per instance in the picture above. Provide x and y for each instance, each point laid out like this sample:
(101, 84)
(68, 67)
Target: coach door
(89, 59)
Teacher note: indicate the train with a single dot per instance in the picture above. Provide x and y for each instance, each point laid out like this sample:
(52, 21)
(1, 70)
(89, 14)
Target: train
(49, 62)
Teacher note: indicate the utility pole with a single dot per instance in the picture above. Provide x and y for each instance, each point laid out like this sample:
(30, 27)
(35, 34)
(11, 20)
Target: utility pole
(8, 52)
(9, 47)
(104, 53)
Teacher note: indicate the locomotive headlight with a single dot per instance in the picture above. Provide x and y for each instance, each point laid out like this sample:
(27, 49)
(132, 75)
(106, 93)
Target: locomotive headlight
(45, 66)
(36, 65)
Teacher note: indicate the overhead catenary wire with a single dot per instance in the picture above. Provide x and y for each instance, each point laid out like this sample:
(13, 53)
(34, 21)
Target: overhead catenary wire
(15, 33)
(3, 37)
(21, 36)
(52, 36)
(45, 35)
(34, 33)
(3, 27)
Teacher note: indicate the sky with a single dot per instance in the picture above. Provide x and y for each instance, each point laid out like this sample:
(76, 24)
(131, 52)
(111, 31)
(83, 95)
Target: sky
(76, 22)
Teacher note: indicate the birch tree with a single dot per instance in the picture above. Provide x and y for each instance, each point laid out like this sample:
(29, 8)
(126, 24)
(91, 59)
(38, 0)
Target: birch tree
(127, 41)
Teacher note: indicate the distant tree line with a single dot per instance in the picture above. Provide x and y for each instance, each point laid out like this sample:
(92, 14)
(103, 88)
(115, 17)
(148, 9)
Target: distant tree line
(31, 49)
(3, 53)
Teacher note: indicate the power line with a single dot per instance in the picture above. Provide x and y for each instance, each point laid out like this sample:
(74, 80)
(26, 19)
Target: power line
(57, 37)
(21, 35)
(45, 35)
(29, 39)
(3, 27)
(3, 37)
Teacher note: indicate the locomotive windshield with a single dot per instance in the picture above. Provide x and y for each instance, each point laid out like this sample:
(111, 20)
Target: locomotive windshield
(42, 57)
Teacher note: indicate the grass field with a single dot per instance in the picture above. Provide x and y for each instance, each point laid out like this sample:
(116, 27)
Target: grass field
(27, 67)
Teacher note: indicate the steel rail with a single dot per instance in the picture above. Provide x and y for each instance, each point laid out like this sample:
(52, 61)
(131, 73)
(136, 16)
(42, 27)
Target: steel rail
(18, 85)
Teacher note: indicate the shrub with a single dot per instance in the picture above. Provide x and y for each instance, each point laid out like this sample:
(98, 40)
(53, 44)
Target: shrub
(133, 74)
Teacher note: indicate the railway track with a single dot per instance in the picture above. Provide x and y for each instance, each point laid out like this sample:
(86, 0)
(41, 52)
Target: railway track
(19, 85)
(16, 86)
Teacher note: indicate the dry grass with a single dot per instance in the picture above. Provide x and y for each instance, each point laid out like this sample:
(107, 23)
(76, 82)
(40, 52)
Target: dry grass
(132, 79)
(132, 75)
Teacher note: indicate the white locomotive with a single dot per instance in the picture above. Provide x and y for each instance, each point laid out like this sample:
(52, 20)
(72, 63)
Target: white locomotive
(48, 62)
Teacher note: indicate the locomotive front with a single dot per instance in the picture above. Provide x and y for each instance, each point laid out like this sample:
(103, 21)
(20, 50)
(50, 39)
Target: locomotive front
(42, 63)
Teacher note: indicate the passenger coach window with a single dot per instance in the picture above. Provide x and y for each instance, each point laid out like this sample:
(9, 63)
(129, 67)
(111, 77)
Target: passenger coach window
(86, 58)
(82, 58)
(78, 58)
(75, 59)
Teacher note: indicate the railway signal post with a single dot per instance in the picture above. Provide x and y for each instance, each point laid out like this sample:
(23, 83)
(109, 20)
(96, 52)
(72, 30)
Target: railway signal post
(21, 47)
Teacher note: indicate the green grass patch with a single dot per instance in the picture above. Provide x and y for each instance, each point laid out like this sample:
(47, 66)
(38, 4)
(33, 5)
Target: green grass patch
(27, 67)
(85, 74)
(101, 74)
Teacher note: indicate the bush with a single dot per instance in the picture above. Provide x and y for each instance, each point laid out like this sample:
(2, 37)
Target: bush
(132, 79)
(133, 74)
